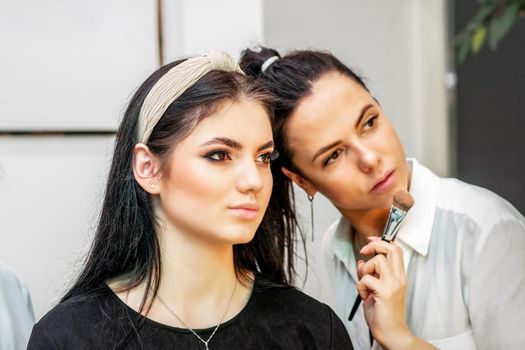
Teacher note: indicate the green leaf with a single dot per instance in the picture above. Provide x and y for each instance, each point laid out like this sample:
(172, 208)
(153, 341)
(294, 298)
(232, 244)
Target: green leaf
(480, 17)
(478, 38)
(501, 25)
(463, 47)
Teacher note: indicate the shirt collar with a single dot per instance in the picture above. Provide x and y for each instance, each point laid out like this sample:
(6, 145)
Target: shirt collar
(417, 226)
(416, 229)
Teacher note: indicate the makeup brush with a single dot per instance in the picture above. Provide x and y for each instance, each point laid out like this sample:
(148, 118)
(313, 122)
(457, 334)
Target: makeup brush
(401, 204)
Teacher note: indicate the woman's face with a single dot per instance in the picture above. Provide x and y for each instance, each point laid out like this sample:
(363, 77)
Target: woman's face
(345, 146)
(218, 182)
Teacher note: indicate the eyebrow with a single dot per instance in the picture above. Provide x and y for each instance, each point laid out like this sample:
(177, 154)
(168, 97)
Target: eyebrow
(333, 144)
(223, 141)
(233, 144)
(362, 114)
(266, 145)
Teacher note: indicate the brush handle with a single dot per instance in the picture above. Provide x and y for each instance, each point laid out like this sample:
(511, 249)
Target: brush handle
(395, 218)
(355, 307)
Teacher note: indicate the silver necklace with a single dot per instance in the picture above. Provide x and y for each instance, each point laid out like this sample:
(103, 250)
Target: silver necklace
(205, 342)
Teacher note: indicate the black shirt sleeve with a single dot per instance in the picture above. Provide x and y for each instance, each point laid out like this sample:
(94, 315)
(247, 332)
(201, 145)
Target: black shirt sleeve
(41, 339)
(340, 339)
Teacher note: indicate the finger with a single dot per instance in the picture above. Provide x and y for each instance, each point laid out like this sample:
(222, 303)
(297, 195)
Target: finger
(360, 269)
(368, 285)
(377, 266)
(378, 246)
(393, 252)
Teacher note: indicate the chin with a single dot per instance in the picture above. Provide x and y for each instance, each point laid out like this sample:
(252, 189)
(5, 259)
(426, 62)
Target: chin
(239, 234)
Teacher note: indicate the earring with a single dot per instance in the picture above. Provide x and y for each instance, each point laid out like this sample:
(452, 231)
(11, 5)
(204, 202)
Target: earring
(311, 199)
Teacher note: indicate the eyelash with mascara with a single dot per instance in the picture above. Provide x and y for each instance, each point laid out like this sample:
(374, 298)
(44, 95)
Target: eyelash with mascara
(225, 155)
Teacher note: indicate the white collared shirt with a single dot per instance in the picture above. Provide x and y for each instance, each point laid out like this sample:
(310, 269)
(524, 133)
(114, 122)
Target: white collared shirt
(16, 311)
(464, 254)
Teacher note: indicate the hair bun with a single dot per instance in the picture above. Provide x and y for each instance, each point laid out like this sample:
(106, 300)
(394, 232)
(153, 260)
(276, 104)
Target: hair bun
(252, 60)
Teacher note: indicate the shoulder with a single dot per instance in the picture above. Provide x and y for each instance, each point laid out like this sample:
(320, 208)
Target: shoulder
(68, 316)
(288, 297)
(81, 321)
(485, 208)
(12, 287)
(289, 313)
(9, 277)
(289, 302)
(460, 201)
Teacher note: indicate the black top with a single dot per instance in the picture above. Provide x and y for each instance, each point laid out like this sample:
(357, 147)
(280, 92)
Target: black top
(273, 318)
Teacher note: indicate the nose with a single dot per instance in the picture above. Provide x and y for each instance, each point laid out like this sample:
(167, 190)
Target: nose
(367, 158)
(250, 179)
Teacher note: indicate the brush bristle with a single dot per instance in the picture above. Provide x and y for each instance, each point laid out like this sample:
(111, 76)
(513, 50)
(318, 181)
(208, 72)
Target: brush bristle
(403, 200)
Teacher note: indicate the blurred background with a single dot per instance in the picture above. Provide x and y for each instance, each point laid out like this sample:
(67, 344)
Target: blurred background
(68, 68)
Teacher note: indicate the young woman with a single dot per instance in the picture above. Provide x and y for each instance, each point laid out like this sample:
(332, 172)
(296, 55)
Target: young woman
(181, 259)
(455, 277)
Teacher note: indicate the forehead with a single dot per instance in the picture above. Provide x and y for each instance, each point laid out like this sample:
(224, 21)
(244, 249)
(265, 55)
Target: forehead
(331, 109)
(243, 120)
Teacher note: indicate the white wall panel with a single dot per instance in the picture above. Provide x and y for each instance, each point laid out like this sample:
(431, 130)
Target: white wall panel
(72, 64)
(50, 193)
(195, 26)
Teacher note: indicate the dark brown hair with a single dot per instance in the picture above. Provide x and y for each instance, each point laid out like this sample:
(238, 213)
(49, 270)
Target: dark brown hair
(289, 79)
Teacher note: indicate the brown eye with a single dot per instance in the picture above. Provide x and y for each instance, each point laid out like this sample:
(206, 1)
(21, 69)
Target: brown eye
(265, 158)
(268, 157)
(332, 157)
(218, 156)
(370, 123)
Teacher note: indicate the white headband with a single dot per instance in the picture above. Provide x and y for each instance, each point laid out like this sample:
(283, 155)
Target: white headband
(177, 80)
(268, 63)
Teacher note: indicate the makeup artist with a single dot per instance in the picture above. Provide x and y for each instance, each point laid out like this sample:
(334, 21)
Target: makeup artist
(455, 276)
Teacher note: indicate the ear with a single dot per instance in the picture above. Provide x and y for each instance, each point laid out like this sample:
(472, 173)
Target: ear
(146, 169)
(300, 181)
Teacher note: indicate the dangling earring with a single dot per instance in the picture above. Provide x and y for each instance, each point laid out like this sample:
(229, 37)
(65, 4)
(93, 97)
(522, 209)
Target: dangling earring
(311, 199)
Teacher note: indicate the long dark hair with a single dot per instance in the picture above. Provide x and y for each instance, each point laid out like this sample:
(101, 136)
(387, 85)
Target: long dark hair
(289, 79)
(126, 242)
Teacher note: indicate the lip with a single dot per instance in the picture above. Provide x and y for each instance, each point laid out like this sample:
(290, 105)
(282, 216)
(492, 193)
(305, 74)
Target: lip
(385, 182)
(245, 210)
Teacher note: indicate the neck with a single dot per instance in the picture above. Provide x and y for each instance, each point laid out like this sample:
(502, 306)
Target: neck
(371, 222)
(367, 222)
(193, 269)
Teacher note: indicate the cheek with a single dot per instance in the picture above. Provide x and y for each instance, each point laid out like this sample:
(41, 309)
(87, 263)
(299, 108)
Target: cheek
(340, 193)
(345, 186)
(392, 144)
(267, 181)
(338, 184)
(192, 183)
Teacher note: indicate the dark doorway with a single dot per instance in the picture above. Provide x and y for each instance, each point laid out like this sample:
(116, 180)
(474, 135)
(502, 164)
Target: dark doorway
(491, 112)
